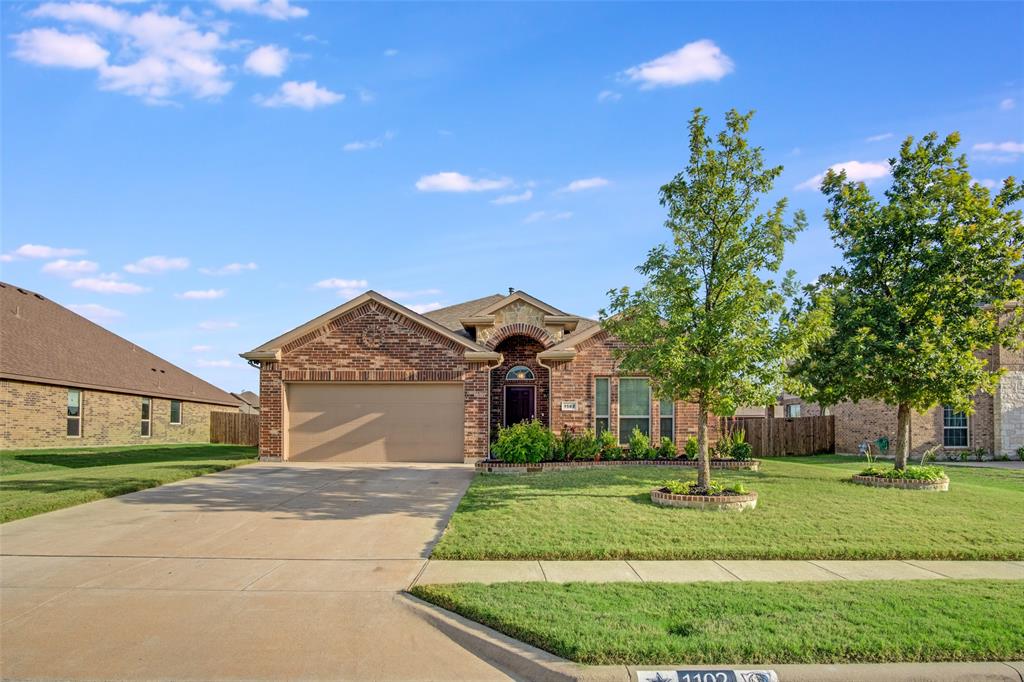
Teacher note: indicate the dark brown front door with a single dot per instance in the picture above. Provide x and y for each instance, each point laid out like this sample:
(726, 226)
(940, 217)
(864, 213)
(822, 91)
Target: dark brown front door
(518, 404)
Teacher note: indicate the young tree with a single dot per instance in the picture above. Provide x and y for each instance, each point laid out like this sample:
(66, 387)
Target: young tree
(923, 287)
(706, 326)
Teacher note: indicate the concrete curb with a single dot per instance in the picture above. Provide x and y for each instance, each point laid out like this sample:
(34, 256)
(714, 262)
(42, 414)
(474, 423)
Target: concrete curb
(520, 660)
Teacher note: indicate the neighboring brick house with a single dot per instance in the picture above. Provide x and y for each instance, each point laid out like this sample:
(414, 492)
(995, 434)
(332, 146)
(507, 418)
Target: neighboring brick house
(249, 402)
(372, 380)
(67, 382)
(996, 425)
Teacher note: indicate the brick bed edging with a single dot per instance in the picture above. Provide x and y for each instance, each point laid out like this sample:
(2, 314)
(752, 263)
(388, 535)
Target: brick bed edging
(492, 467)
(904, 483)
(705, 502)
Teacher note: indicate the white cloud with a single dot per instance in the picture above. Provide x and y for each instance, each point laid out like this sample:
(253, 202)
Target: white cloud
(108, 284)
(513, 198)
(95, 312)
(538, 216)
(229, 269)
(701, 60)
(856, 171)
(390, 52)
(346, 288)
(267, 60)
(449, 181)
(879, 137)
(1005, 147)
(1008, 104)
(41, 251)
(202, 362)
(217, 325)
(202, 294)
(425, 307)
(608, 96)
(585, 183)
(988, 182)
(306, 95)
(70, 268)
(200, 348)
(48, 47)
(375, 143)
(416, 293)
(154, 264)
(278, 10)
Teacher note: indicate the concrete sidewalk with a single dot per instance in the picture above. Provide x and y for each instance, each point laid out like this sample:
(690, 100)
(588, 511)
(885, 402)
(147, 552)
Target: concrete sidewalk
(717, 571)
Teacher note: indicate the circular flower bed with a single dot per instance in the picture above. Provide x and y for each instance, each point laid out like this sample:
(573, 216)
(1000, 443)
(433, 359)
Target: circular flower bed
(714, 498)
(908, 478)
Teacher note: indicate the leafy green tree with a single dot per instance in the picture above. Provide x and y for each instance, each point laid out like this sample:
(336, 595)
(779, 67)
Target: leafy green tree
(707, 326)
(923, 287)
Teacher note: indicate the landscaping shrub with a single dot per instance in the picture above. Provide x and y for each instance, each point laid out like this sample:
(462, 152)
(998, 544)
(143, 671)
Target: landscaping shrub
(1020, 452)
(677, 487)
(526, 442)
(666, 448)
(913, 473)
(692, 448)
(609, 446)
(583, 446)
(639, 445)
(741, 449)
(722, 449)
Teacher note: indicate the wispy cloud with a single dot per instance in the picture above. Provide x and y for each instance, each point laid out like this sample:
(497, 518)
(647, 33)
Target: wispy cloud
(201, 348)
(96, 312)
(108, 284)
(346, 288)
(856, 171)
(375, 143)
(584, 184)
(513, 198)
(538, 216)
(229, 269)
(278, 10)
(217, 325)
(307, 95)
(156, 264)
(391, 52)
(1005, 147)
(879, 137)
(202, 294)
(203, 362)
(608, 96)
(425, 307)
(988, 182)
(701, 60)
(268, 60)
(1008, 104)
(450, 181)
(41, 251)
(70, 268)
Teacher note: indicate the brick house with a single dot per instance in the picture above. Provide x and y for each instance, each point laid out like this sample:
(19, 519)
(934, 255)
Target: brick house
(67, 382)
(372, 380)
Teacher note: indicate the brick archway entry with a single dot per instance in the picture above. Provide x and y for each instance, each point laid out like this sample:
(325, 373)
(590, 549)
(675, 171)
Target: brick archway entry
(519, 350)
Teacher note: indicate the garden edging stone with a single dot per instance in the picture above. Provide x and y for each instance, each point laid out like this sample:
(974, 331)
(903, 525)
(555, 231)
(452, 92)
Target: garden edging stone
(487, 466)
(903, 483)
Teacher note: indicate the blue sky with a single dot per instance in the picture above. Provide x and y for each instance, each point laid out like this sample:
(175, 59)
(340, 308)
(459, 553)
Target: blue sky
(201, 177)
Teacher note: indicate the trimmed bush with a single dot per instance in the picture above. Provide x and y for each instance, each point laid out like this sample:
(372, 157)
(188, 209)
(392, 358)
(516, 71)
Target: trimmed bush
(912, 473)
(639, 445)
(666, 448)
(609, 444)
(692, 448)
(526, 442)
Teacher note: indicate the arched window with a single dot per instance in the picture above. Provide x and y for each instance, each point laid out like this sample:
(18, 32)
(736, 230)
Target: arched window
(519, 373)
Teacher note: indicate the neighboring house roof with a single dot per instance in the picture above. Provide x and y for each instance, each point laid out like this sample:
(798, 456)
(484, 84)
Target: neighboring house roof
(44, 342)
(249, 398)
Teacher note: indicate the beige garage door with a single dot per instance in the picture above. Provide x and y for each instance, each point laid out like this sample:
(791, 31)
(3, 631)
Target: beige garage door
(375, 422)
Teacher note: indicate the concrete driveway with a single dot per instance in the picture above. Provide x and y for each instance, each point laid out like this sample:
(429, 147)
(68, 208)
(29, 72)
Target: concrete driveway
(262, 572)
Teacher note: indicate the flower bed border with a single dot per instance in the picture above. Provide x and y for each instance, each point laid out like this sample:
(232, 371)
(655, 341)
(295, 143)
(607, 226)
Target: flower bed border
(489, 466)
(705, 502)
(904, 483)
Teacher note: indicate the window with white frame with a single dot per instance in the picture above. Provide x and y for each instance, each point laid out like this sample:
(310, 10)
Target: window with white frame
(792, 410)
(602, 401)
(634, 407)
(176, 412)
(147, 407)
(74, 429)
(667, 418)
(954, 428)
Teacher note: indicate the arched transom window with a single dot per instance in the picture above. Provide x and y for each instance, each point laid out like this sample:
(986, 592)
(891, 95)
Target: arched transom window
(519, 373)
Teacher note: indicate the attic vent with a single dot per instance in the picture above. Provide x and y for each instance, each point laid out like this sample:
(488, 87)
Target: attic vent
(152, 369)
(39, 297)
(22, 291)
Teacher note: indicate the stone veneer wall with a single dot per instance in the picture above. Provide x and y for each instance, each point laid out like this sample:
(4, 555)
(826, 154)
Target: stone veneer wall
(1009, 413)
(35, 416)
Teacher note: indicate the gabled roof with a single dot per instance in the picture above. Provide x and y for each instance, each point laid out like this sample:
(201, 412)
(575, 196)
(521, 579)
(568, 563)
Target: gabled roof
(274, 345)
(449, 316)
(248, 397)
(43, 342)
(518, 296)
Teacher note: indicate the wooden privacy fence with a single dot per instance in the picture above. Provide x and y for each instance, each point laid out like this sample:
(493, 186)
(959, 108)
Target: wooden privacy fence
(234, 428)
(785, 435)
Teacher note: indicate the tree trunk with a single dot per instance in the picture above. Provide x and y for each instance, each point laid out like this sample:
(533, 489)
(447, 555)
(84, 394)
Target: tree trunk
(704, 465)
(902, 435)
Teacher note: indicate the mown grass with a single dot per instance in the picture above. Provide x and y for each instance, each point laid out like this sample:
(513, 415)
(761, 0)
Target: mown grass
(807, 509)
(745, 623)
(37, 481)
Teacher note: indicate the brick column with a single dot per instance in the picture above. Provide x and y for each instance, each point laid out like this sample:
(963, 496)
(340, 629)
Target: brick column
(477, 410)
(271, 412)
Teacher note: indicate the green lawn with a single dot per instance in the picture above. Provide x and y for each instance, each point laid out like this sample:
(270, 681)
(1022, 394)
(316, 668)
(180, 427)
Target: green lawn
(723, 623)
(806, 510)
(37, 481)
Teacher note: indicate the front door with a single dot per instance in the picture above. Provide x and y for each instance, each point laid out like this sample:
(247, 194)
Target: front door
(518, 404)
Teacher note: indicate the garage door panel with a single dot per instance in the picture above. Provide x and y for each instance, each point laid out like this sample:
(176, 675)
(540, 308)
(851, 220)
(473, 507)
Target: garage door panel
(375, 422)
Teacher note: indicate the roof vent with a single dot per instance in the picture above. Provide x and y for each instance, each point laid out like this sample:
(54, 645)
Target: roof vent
(511, 290)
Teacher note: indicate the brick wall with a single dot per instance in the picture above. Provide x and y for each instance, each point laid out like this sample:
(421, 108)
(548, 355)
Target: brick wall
(35, 416)
(519, 350)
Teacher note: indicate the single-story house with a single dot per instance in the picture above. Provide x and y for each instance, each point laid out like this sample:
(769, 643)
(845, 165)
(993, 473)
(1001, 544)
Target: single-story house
(68, 382)
(249, 402)
(372, 380)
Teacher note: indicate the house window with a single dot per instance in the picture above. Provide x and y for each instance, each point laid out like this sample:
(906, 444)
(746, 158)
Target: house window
(954, 428)
(634, 407)
(146, 417)
(667, 419)
(176, 412)
(601, 403)
(519, 373)
(74, 413)
(793, 410)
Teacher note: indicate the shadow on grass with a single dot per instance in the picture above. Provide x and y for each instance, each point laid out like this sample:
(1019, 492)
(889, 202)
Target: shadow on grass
(89, 459)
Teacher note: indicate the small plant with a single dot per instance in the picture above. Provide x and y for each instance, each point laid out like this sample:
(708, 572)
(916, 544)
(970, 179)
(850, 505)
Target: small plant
(930, 455)
(741, 449)
(583, 446)
(666, 448)
(1020, 452)
(639, 444)
(526, 442)
(912, 473)
(609, 446)
(722, 448)
(691, 448)
(677, 487)
(964, 455)
(1002, 458)
(979, 454)
(738, 488)
(865, 449)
